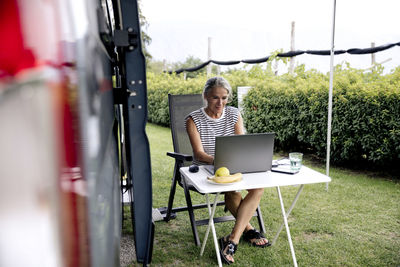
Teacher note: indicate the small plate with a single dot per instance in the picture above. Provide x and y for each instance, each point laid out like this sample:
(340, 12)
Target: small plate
(215, 183)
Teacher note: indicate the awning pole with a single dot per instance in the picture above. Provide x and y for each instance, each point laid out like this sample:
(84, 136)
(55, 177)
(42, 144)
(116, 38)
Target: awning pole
(328, 138)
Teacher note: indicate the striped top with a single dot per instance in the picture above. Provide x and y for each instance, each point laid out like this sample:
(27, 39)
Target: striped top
(209, 128)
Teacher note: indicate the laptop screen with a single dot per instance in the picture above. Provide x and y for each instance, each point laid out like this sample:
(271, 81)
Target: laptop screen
(244, 153)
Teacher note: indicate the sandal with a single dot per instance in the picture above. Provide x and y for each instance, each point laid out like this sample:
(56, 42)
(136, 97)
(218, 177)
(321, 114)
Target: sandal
(227, 248)
(254, 234)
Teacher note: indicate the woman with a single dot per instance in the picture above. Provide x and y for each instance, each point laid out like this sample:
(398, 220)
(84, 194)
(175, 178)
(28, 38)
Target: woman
(203, 125)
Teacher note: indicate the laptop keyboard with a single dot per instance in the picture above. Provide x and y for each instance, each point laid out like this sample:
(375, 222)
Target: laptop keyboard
(209, 168)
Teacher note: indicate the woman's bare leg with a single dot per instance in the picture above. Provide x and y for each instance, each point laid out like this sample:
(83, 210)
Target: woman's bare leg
(243, 210)
(232, 203)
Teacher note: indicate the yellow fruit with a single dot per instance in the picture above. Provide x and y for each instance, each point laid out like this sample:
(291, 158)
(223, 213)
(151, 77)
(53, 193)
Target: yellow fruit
(223, 171)
(227, 179)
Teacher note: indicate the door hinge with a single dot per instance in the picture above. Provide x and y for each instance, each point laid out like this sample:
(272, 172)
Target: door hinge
(126, 38)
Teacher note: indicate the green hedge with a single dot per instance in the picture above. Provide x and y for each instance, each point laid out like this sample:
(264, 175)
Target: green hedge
(365, 116)
(160, 85)
(366, 110)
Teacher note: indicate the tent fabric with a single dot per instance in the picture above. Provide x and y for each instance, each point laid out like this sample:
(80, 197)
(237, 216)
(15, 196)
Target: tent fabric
(191, 69)
(352, 51)
(324, 52)
(225, 62)
(358, 51)
(291, 54)
(255, 61)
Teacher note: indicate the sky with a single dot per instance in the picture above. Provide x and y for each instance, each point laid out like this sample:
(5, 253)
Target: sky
(249, 29)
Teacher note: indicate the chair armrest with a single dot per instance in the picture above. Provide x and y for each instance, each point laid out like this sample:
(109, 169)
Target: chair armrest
(180, 156)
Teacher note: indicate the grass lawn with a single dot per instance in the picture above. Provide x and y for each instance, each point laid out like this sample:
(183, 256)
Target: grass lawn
(355, 223)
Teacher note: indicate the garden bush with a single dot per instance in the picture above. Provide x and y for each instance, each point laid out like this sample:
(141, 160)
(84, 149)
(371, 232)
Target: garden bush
(160, 85)
(365, 116)
(366, 110)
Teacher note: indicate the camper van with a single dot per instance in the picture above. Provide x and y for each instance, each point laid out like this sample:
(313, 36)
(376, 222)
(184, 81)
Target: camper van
(66, 132)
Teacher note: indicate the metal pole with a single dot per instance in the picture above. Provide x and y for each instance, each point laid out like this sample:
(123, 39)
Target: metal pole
(328, 138)
(373, 56)
(291, 67)
(209, 58)
(288, 213)
(287, 227)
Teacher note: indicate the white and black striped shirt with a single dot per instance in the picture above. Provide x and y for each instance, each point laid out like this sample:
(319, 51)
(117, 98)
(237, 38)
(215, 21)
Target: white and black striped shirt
(209, 128)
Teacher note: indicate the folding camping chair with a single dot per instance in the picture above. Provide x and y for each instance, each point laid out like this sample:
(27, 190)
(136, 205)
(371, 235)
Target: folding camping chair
(179, 107)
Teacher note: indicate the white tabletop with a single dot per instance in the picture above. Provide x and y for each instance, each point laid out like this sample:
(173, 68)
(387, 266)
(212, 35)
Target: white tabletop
(254, 180)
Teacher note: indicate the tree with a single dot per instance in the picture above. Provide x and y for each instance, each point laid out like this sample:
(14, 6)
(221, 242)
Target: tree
(158, 66)
(190, 62)
(146, 39)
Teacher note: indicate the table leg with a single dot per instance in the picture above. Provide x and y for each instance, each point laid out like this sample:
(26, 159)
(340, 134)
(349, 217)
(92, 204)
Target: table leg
(211, 213)
(288, 213)
(287, 227)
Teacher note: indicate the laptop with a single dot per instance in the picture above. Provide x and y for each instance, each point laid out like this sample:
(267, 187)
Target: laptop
(243, 153)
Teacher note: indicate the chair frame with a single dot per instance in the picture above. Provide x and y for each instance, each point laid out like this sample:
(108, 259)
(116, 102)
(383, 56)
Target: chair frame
(170, 212)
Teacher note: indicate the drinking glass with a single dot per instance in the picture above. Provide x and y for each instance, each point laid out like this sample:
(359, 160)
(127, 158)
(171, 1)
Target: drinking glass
(296, 159)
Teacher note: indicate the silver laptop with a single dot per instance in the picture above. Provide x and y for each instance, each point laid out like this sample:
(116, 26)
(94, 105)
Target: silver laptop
(244, 153)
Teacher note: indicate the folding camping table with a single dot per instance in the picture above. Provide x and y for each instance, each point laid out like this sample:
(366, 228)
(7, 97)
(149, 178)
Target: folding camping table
(252, 181)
